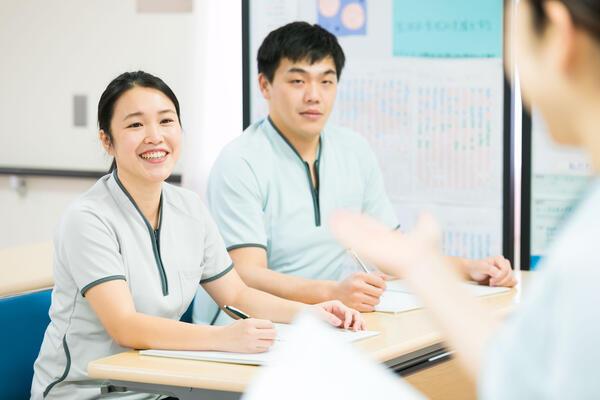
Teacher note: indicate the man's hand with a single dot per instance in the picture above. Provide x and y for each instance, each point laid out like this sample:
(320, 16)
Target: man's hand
(494, 271)
(360, 290)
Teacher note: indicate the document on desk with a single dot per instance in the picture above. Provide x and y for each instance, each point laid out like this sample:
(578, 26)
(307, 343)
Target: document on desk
(283, 332)
(399, 298)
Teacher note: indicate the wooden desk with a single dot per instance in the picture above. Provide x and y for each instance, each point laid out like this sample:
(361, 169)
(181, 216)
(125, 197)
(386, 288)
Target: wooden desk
(26, 268)
(402, 335)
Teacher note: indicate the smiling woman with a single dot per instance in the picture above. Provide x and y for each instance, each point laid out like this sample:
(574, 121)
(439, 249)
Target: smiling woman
(138, 80)
(131, 252)
(139, 122)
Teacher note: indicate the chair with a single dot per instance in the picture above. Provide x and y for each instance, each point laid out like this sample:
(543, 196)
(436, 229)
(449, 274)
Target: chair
(23, 321)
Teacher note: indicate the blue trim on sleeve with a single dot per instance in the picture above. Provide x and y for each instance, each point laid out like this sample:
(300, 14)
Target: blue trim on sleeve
(241, 245)
(101, 280)
(212, 278)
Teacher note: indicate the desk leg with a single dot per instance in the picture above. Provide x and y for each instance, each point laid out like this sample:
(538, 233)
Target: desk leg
(182, 393)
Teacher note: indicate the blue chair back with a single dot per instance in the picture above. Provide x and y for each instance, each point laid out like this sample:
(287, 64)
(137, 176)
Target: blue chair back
(187, 315)
(23, 321)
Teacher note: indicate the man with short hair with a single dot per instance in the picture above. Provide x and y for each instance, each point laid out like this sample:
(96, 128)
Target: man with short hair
(272, 190)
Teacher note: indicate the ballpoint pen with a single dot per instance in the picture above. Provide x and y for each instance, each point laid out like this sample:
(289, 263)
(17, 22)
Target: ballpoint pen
(358, 260)
(237, 312)
(242, 315)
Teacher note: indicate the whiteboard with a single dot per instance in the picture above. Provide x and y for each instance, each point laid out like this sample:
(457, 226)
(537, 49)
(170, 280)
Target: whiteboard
(436, 123)
(54, 50)
(558, 177)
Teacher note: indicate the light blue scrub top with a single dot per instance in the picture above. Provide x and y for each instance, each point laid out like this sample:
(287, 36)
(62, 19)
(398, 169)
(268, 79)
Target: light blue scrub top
(550, 348)
(260, 194)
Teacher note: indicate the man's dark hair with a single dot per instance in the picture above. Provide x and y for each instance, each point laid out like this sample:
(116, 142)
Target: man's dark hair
(298, 41)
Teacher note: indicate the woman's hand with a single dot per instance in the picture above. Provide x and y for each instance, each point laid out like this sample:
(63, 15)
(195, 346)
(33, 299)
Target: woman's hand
(247, 336)
(337, 314)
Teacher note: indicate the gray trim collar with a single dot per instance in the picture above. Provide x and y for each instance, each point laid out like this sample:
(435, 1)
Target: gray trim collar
(153, 236)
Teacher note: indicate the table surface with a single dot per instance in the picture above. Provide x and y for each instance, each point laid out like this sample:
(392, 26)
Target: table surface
(401, 334)
(26, 268)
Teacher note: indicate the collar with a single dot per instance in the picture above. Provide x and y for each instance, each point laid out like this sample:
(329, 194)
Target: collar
(319, 148)
(132, 201)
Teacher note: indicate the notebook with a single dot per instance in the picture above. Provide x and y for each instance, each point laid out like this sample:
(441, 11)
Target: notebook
(283, 332)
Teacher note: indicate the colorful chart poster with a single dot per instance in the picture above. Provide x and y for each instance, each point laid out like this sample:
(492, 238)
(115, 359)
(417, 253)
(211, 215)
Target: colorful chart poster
(343, 17)
(442, 28)
(436, 128)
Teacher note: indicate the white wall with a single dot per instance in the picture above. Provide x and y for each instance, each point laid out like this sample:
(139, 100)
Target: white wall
(52, 50)
(203, 67)
(33, 217)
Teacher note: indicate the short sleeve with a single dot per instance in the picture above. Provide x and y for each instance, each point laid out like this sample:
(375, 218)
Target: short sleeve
(90, 249)
(376, 201)
(236, 203)
(216, 260)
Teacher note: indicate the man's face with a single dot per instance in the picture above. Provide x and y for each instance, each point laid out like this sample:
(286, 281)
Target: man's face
(301, 96)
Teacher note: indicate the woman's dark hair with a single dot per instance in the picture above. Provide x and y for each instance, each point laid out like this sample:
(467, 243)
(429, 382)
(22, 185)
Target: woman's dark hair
(121, 84)
(585, 14)
(298, 41)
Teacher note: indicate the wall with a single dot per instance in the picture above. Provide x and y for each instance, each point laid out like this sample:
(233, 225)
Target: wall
(32, 218)
(204, 69)
(54, 50)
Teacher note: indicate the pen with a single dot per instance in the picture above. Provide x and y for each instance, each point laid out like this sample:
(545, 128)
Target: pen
(358, 260)
(446, 354)
(236, 312)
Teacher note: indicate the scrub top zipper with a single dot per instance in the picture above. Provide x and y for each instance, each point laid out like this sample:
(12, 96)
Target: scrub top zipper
(154, 236)
(314, 189)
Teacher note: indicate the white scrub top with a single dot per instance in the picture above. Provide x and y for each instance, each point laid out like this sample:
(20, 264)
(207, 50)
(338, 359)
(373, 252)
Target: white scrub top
(103, 236)
(261, 194)
(549, 348)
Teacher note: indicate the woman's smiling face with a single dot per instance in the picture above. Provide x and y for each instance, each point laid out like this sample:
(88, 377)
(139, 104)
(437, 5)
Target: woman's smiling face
(146, 135)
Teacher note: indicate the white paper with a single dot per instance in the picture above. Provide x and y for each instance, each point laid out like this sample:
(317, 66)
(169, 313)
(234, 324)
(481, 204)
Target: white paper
(314, 364)
(394, 302)
(283, 333)
(483, 290)
(218, 356)
(399, 298)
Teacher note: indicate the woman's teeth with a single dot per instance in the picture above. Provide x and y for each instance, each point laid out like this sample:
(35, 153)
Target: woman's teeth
(154, 155)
